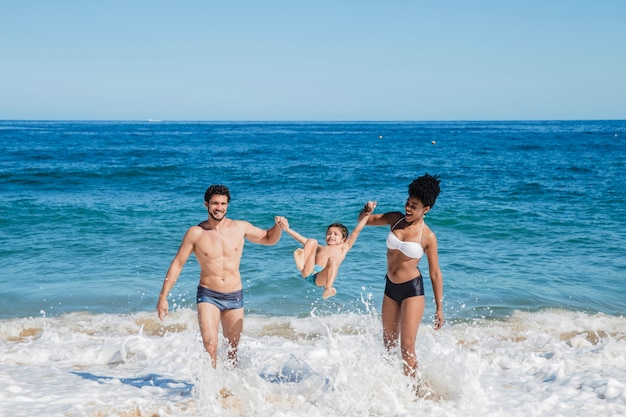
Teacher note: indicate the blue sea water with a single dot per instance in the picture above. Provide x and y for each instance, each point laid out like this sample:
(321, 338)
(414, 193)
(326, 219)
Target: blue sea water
(531, 220)
(531, 214)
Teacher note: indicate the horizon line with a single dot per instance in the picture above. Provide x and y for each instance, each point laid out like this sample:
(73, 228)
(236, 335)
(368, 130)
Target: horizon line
(149, 120)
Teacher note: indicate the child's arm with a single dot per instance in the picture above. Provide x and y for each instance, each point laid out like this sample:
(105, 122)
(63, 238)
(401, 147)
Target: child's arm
(284, 224)
(363, 218)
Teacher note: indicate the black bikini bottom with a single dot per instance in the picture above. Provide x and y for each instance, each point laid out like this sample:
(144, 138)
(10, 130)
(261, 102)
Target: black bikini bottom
(399, 292)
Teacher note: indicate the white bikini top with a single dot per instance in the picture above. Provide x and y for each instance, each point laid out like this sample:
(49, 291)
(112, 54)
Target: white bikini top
(410, 249)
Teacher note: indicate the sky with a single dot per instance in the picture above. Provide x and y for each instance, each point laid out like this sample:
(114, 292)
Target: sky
(317, 60)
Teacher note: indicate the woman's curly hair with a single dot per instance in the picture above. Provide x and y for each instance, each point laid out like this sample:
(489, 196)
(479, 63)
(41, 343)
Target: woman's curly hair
(425, 189)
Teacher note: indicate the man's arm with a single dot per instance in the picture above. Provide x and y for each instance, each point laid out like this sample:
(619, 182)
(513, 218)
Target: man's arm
(176, 266)
(267, 237)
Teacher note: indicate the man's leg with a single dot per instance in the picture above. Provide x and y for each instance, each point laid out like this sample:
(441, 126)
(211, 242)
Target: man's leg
(232, 326)
(208, 320)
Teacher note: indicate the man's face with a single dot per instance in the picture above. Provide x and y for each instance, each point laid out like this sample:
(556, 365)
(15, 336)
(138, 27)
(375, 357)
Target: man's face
(217, 206)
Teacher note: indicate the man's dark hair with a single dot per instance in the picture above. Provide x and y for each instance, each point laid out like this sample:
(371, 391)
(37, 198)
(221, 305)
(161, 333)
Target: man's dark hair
(344, 229)
(216, 190)
(425, 189)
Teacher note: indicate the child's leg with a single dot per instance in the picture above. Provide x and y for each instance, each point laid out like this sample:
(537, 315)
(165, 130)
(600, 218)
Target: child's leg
(326, 277)
(305, 257)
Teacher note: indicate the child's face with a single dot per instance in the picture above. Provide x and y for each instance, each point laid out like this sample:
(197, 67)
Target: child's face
(334, 236)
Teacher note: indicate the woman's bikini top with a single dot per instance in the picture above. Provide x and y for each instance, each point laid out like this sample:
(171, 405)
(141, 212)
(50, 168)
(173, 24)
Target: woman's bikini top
(410, 249)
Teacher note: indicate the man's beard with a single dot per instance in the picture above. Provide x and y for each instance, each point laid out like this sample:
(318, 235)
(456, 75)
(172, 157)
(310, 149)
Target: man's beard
(217, 219)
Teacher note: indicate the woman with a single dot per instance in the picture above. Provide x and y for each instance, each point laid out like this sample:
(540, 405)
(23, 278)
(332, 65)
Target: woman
(408, 240)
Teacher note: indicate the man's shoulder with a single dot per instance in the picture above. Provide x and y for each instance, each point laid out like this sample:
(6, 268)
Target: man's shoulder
(244, 224)
(196, 229)
(234, 227)
(202, 225)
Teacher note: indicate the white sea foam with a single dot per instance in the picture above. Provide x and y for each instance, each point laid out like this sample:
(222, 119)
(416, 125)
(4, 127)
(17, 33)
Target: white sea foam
(532, 364)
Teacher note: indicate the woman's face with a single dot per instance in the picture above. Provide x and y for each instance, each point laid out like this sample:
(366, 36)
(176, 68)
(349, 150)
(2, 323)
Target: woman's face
(414, 209)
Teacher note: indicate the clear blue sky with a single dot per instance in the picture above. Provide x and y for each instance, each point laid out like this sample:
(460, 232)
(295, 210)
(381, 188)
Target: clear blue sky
(313, 60)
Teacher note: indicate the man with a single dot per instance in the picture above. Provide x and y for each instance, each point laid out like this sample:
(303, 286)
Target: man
(218, 245)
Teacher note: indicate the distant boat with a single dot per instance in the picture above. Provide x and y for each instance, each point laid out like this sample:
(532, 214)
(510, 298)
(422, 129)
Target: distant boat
(153, 121)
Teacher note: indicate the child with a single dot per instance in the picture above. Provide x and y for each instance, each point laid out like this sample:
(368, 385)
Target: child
(319, 264)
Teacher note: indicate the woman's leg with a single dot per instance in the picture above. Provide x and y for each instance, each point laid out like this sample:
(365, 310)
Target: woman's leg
(411, 313)
(391, 322)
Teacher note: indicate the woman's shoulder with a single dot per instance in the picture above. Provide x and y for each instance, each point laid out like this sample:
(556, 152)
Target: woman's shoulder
(393, 216)
(428, 235)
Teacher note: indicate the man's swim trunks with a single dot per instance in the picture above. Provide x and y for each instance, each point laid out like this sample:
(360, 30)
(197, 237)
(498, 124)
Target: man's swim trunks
(311, 278)
(400, 292)
(222, 300)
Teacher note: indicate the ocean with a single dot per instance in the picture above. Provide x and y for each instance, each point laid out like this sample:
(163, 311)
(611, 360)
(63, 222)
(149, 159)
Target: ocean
(531, 227)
